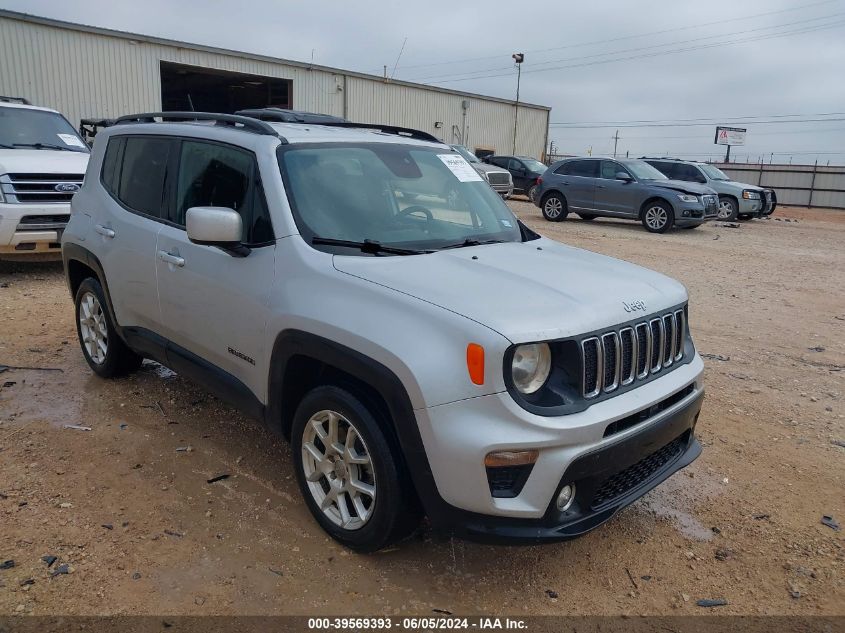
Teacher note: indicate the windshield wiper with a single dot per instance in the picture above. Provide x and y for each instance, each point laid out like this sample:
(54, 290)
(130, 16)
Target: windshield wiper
(471, 242)
(43, 146)
(371, 247)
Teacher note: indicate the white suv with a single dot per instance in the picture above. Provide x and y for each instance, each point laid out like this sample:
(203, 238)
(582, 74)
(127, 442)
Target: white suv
(42, 163)
(423, 353)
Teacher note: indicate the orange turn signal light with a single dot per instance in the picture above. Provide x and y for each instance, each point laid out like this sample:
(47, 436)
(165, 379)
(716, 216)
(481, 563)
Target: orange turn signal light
(497, 459)
(475, 363)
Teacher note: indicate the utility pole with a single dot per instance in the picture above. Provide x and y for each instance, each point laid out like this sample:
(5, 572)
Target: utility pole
(615, 143)
(518, 58)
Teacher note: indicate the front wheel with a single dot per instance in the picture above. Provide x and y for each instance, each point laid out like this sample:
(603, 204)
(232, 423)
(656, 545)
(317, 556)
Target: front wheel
(352, 483)
(554, 207)
(728, 210)
(658, 217)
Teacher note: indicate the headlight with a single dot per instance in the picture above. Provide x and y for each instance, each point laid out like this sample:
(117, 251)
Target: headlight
(687, 198)
(750, 195)
(531, 366)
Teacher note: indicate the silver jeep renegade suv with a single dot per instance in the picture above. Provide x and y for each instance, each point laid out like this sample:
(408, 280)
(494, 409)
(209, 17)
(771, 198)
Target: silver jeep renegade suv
(425, 354)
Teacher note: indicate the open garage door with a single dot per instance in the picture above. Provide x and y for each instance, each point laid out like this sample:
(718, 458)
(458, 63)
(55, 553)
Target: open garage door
(198, 89)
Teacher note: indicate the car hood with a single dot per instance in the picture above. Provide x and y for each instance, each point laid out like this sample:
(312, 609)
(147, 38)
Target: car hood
(488, 168)
(42, 161)
(738, 187)
(683, 186)
(528, 291)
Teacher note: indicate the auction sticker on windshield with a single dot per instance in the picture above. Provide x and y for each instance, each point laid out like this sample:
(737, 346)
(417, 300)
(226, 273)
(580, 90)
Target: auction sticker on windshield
(460, 167)
(70, 139)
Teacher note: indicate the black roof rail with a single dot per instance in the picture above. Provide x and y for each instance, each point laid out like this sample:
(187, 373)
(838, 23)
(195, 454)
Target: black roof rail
(249, 124)
(659, 158)
(293, 116)
(280, 115)
(20, 100)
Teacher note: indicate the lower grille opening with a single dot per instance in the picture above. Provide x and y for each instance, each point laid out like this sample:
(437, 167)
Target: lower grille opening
(632, 477)
(507, 481)
(641, 416)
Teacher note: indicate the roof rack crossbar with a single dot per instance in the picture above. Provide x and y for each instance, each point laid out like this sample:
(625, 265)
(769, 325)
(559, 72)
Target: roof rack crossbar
(249, 124)
(20, 100)
(282, 115)
(293, 116)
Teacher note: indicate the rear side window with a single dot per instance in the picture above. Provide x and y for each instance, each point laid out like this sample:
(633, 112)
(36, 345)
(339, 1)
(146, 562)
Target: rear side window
(667, 169)
(134, 169)
(588, 168)
(214, 175)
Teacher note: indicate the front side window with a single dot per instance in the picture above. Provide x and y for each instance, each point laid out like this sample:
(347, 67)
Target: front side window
(397, 195)
(610, 168)
(213, 175)
(643, 171)
(134, 169)
(714, 172)
(688, 173)
(26, 128)
(515, 165)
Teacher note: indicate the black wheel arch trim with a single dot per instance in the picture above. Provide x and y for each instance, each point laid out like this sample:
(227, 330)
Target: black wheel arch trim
(292, 343)
(75, 252)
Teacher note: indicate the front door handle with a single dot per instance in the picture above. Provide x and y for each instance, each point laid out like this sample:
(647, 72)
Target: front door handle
(104, 231)
(170, 258)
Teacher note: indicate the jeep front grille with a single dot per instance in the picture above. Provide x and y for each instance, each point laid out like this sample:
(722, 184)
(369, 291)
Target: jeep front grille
(40, 188)
(634, 352)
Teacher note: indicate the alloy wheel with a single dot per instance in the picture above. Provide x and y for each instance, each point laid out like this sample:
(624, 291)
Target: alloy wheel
(338, 469)
(726, 209)
(656, 217)
(553, 207)
(92, 325)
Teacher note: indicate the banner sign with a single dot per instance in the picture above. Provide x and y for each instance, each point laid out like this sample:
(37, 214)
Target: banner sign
(730, 136)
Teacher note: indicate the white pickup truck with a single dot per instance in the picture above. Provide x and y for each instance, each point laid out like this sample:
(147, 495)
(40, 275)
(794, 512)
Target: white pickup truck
(42, 163)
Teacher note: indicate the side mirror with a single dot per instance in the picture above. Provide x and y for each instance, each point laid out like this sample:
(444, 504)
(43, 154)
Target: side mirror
(621, 175)
(216, 226)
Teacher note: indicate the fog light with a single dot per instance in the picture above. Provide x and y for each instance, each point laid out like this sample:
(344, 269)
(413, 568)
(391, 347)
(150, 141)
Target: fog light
(566, 497)
(686, 214)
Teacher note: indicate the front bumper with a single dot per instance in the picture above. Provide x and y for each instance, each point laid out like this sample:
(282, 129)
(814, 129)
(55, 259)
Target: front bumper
(691, 213)
(608, 472)
(19, 240)
(751, 207)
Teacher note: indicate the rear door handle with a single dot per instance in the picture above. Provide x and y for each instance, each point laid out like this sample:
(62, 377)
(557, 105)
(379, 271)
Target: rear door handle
(170, 258)
(104, 231)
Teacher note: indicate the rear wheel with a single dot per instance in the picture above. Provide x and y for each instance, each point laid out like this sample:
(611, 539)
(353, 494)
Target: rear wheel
(727, 209)
(658, 217)
(532, 192)
(351, 481)
(554, 207)
(105, 352)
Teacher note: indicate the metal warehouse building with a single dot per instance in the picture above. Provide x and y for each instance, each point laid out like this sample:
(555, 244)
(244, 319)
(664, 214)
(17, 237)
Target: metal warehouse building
(89, 72)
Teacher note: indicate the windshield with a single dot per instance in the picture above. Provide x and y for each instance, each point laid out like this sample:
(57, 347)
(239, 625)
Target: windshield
(23, 128)
(714, 173)
(402, 196)
(643, 171)
(463, 151)
(533, 165)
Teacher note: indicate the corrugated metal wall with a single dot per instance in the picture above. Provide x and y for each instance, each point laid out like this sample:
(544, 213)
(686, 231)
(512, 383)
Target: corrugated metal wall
(93, 74)
(799, 185)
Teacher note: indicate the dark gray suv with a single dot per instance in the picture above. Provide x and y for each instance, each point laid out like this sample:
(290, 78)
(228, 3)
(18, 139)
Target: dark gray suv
(625, 188)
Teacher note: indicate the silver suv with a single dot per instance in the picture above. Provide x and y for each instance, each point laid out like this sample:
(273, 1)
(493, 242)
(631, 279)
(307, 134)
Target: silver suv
(422, 355)
(500, 180)
(737, 200)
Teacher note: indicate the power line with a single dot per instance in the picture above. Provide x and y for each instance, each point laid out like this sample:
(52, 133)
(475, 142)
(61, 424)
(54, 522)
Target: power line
(707, 118)
(626, 37)
(654, 54)
(772, 122)
(639, 48)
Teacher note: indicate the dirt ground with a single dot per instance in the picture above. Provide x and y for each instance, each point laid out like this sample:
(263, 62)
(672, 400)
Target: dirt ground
(143, 533)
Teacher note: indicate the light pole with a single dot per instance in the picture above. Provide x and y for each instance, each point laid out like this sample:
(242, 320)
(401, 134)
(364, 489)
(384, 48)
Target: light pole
(518, 58)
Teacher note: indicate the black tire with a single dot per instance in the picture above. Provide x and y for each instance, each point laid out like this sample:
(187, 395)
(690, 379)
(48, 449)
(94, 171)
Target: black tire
(554, 207)
(586, 217)
(657, 217)
(726, 202)
(394, 510)
(117, 359)
(532, 192)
